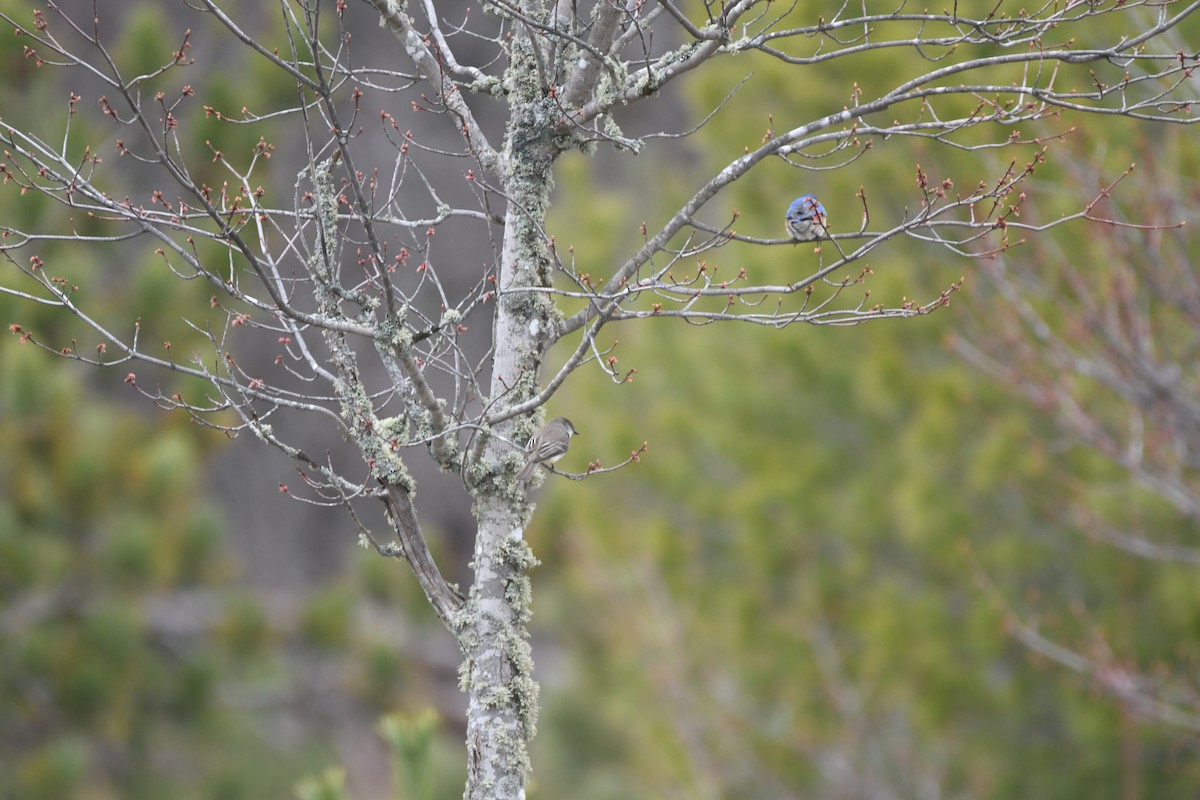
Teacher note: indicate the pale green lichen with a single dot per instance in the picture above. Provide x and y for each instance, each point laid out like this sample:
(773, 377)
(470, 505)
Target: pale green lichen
(392, 335)
(477, 472)
(614, 130)
(519, 593)
(527, 694)
(490, 85)
(510, 786)
(387, 466)
(493, 696)
(516, 554)
(611, 86)
(515, 746)
(325, 253)
(422, 423)
(394, 427)
(526, 305)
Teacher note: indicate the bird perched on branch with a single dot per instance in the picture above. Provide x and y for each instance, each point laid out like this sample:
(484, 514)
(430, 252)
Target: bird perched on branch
(806, 220)
(547, 445)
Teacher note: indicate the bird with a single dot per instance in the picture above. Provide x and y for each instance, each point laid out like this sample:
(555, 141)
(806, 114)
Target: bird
(805, 220)
(547, 446)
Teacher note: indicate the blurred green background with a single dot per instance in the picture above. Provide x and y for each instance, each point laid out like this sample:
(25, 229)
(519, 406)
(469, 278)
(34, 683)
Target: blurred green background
(803, 589)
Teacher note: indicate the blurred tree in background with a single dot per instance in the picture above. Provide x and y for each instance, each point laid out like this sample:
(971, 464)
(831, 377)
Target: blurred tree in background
(811, 583)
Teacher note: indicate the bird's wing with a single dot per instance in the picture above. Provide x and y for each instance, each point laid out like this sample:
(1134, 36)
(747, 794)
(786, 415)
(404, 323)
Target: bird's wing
(550, 449)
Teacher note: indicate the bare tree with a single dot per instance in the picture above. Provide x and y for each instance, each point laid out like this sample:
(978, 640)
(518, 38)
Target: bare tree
(341, 268)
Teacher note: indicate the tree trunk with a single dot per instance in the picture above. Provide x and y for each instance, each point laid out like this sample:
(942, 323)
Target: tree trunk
(498, 672)
(502, 695)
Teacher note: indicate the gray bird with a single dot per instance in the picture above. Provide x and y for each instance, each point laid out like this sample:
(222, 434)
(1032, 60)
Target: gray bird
(548, 445)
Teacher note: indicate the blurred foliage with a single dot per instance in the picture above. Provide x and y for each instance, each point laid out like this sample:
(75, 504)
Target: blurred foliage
(115, 668)
(810, 568)
(102, 516)
(329, 785)
(803, 579)
(425, 766)
(411, 739)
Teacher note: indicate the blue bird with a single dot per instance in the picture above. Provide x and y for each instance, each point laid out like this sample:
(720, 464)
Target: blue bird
(806, 220)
